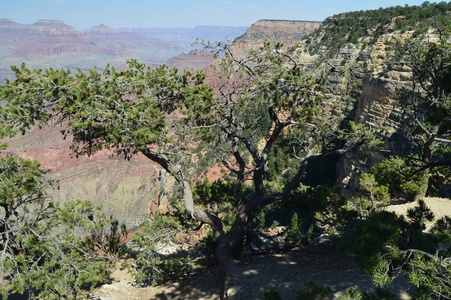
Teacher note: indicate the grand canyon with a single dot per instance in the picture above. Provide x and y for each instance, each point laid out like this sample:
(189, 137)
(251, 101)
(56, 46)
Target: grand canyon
(301, 160)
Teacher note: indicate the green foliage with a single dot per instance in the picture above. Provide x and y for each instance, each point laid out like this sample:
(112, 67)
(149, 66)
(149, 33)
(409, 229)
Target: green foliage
(272, 295)
(320, 203)
(218, 193)
(108, 236)
(151, 266)
(395, 177)
(386, 245)
(355, 294)
(350, 27)
(122, 110)
(432, 275)
(314, 292)
(377, 192)
(280, 164)
(43, 245)
(426, 102)
(175, 120)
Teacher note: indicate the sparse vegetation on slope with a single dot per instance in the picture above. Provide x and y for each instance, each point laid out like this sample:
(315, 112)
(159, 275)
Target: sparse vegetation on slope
(351, 27)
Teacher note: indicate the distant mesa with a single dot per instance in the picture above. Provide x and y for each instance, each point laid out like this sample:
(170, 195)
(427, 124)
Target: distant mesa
(102, 28)
(50, 23)
(8, 23)
(5, 21)
(52, 43)
(286, 31)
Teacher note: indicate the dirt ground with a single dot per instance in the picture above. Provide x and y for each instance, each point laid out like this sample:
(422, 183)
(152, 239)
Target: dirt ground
(285, 272)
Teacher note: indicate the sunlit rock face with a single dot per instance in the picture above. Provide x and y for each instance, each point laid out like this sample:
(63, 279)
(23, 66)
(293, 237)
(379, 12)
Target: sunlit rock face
(289, 32)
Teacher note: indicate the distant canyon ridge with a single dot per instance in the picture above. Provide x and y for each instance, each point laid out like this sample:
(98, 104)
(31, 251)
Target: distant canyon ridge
(52, 43)
(128, 190)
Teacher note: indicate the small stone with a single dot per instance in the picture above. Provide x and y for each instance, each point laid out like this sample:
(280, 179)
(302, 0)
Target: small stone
(234, 291)
(286, 285)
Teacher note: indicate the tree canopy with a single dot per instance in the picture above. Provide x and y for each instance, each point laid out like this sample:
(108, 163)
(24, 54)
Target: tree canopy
(177, 121)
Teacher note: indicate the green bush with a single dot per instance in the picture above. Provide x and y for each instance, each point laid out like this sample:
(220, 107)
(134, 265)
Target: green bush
(272, 295)
(386, 245)
(396, 176)
(44, 246)
(150, 266)
(342, 29)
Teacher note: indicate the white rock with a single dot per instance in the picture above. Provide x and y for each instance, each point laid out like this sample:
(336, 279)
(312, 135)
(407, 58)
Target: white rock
(233, 291)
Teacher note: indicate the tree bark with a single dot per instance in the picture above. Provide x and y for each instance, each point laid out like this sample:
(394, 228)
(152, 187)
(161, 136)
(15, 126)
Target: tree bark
(427, 154)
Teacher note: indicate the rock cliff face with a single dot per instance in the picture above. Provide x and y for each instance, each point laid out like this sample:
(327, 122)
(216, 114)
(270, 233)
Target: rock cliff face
(131, 191)
(371, 97)
(289, 32)
(195, 60)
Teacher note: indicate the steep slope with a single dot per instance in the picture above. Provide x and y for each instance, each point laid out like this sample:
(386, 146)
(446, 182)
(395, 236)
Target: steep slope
(368, 95)
(131, 191)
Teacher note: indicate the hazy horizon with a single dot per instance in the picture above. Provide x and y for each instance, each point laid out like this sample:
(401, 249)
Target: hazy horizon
(84, 14)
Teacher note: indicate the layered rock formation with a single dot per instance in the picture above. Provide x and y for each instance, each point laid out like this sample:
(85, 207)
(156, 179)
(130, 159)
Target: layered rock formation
(289, 32)
(48, 43)
(194, 60)
(368, 96)
(51, 43)
(128, 190)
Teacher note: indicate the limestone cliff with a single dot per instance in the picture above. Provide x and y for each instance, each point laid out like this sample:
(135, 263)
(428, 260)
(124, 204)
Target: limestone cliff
(286, 31)
(368, 94)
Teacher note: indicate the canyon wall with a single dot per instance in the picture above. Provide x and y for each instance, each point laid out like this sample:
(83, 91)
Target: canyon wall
(132, 191)
(289, 32)
(52, 43)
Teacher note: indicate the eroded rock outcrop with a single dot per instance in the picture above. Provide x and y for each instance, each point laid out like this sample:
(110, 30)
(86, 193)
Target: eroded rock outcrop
(286, 31)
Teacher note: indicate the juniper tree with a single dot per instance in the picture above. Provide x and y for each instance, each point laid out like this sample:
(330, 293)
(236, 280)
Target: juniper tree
(45, 250)
(185, 126)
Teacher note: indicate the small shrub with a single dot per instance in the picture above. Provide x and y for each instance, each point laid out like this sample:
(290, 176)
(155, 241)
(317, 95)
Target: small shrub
(150, 265)
(272, 295)
(314, 292)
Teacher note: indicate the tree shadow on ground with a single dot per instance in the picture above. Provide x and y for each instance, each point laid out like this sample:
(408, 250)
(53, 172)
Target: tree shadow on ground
(286, 273)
